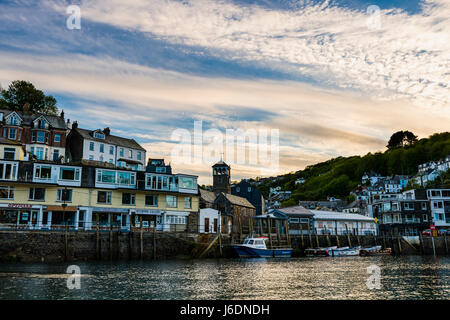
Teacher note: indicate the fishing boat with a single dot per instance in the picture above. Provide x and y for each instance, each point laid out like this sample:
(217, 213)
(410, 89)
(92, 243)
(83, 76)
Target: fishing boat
(345, 252)
(319, 252)
(375, 251)
(256, 247)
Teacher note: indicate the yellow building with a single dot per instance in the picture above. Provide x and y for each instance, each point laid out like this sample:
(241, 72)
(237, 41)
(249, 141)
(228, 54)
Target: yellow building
(44, 195)
(11, 150)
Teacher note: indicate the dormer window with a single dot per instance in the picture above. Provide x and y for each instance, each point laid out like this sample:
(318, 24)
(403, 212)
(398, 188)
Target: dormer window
(13, 121)
(99, 135)
(41, 124)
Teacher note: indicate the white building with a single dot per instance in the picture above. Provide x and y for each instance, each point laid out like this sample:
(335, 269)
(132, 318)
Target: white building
(208, 220)
(440, 206)
(331, 222)
(100, 145)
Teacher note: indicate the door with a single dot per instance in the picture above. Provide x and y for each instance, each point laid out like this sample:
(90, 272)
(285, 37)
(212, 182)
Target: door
(34, 218)
(206, 225)
(215, 225)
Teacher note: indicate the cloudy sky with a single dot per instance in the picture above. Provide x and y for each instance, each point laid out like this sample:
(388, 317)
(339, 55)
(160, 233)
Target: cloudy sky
(334, 77)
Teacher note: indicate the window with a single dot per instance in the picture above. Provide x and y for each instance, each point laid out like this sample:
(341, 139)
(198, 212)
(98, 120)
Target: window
(111, 150)
(171, 201)
(121, 152)
(40, 136)
(409, 206)
(5, 132)
(57, 138)
(64, 195)
(126, 178)
(437, 204)
(188, 183)
(55, 155)
(41, 124)
(161, 169)
(13, 121)
(188, 202)
(139, 156)
(102, 148)
(37, 194)
(91, 157)
(12, 133)
(8, 171)
(129, 199)
(130, 154)
(104, 197)
(249, 189)
(424, 206)
(43, 172)
(99, 135)
(91, 146)
(238, 189)
(6, 192)
(106, 176)
(425, 217)
(151, 200)
(72, 174)
(101, 158)
(9, 153)
(111, 161)
(40, 153)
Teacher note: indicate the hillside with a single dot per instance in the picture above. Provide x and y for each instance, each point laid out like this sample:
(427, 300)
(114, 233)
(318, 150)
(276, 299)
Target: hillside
(338, 176)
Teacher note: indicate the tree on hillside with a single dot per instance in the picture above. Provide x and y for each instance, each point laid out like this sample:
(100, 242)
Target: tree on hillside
(402, 139)
(22, 95)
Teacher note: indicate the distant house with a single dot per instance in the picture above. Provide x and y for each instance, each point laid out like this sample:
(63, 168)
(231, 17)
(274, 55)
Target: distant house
(247, 191)
(300, 181)
(101, 145)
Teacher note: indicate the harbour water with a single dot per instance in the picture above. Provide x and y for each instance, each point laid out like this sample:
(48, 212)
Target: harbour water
(406, 277)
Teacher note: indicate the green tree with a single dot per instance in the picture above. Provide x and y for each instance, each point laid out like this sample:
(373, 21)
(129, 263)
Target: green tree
(22, 95)
(402, 139)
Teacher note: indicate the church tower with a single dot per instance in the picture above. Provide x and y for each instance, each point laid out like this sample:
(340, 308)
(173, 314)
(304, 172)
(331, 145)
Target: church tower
(221, 178)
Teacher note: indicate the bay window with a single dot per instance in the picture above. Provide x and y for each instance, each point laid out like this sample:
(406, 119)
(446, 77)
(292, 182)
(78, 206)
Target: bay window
(43, 172)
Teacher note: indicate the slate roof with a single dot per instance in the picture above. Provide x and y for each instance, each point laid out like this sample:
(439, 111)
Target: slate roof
(55, 121)
(332, 215)
(7, 141)
(206, 195)
(296, 210)
(238, 200)
(111, 139)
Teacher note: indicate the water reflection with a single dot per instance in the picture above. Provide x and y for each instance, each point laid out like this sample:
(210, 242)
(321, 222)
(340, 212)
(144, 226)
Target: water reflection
(302, 278)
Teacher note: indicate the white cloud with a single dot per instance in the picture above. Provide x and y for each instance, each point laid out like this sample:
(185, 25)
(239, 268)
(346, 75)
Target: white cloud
(409, 57)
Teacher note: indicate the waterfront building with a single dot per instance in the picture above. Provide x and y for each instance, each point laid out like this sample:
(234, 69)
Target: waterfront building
(101, 145)
(406, 214)
(208, 220)
(44, 136)
(87, 195)
(235, 212)
(439, 201)
(249, 192)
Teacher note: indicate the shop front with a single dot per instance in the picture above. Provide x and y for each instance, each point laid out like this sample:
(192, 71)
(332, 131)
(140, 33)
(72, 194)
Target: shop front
(20, 216)
(60, 217)
(107, 218)
(150, 219)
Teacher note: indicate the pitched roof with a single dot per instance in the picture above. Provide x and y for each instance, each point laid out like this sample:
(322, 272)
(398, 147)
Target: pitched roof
(221, 163)
(54, 121)
(332, 215)
(111, 139)
(207, 196)
(300, 210)
(238, 200)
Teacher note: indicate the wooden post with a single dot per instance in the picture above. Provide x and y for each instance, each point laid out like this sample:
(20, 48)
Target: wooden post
(220, 244)
(309, 235)
(154, 242)
(250, 226)
(287, 233)
(422, 248)
(141, 238)
(98, 238)
(348, 236)
(301, 233)
(337, 238)
(240, 228)
(317, 238)
(277, 227)
(399, 244)
(328, 238)
(374, 239)
(130, 243)
(270, 232)
(110, 236)
(445, 242)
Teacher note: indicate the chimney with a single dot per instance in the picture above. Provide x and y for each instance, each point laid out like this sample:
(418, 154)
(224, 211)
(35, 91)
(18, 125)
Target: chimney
(75, 125)
(62, 114)
(107, 131)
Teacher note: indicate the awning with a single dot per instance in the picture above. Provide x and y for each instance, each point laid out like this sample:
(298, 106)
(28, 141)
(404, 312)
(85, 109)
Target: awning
(130, 161)
(61, 208)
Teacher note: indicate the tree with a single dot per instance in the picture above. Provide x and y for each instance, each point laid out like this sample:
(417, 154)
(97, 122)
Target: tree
(402, 139)
(23, 93)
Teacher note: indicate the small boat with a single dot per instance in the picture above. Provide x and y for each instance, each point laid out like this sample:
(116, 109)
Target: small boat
(375, 251)
(256, 247)
(345, 252)
(319, 252)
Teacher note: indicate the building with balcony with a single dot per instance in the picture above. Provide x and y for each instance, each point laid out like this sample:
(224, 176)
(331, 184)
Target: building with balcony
(440, 207)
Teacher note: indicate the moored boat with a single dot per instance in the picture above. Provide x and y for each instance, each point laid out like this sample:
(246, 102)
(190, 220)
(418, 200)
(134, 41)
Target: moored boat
(375, 251)
(257, 248)
(345, 251)
(319, 252)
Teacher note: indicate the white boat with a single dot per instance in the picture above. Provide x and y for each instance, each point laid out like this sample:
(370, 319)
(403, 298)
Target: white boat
(345, 251)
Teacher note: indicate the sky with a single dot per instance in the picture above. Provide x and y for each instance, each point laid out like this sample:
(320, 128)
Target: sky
(332, 78)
